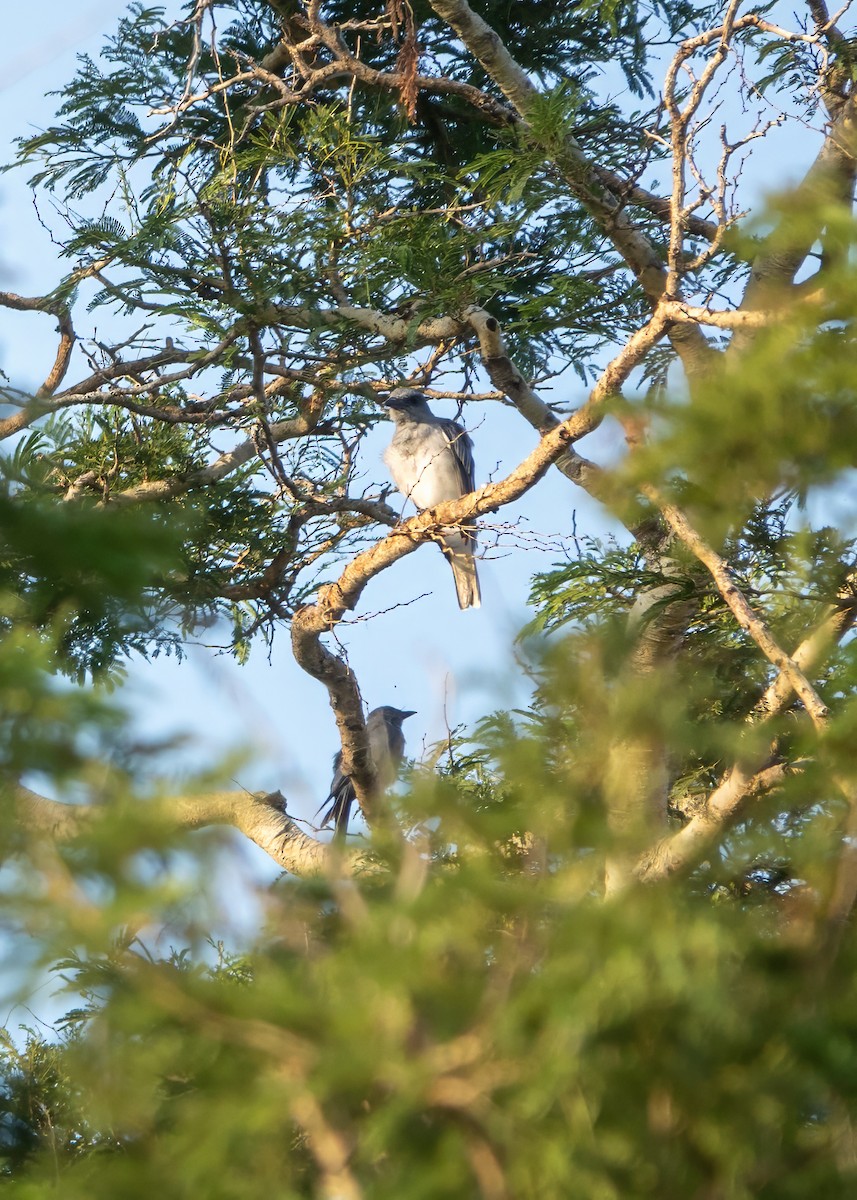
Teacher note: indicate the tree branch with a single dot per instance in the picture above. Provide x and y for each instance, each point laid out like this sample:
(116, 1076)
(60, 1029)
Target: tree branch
(683, 848)
(261, 818)
(744, 614)
(831, 176)
(310, 623)
(506, 377)
(578, 172)
(658, 206)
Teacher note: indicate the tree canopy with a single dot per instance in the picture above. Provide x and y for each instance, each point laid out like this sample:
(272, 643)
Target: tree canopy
(600, 946)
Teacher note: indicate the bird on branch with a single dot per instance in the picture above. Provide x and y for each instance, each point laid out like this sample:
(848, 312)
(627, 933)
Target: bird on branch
(431, 460)
(386, 749)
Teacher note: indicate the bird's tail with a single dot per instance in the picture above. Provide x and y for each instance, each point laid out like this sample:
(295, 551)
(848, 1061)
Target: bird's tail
(341, 799)
(463, 566)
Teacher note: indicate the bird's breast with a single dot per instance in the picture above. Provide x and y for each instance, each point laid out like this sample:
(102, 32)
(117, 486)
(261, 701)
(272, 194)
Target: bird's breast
(422, 467)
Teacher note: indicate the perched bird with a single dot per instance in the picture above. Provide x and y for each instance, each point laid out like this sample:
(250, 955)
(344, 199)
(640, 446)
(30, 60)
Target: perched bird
(431, 459)
(386, 746)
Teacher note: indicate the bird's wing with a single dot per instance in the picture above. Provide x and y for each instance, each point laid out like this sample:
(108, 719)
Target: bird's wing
(462, 452)
(397, 743)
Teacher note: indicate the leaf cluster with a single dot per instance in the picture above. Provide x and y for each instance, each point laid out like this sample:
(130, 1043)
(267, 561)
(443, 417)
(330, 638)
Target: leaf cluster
(480, 1020)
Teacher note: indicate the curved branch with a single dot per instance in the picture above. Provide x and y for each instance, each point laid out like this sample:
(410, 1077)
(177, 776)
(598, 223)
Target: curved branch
(578, 172)
(335, 599)
(506, 377)
(55, 308)
(747, 618)
(63, 356)
(683, 848)
(831, 177)
(261, 818)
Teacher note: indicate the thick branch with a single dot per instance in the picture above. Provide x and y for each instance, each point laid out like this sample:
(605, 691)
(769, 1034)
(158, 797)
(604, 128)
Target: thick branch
(749, 319)
(831, 177)
(726, 802)
(578, 172)
(506, 377)
(262, 819)
(55, 308)
(724, 805)
(391, 328)
(225, 464)
(334, 600)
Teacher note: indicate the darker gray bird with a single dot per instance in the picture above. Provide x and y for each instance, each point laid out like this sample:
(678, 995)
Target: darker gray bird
(386, 746)
(431, 460)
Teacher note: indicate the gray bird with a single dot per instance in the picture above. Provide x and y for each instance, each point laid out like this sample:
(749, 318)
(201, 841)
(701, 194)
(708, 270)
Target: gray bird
(431, 459)
(386, 746)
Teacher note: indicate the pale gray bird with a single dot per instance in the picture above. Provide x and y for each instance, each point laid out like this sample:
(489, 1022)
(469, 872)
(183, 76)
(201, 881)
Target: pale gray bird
(386, 746)
(431, 459)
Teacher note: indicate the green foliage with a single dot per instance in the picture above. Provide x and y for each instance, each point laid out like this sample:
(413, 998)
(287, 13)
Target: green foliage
(77, 595)
(488, 1022)
(791, 569)
(493, 1020)
(347, 173)
(469, 1016)
(600, 583)
(39, 1103)
(82, 576)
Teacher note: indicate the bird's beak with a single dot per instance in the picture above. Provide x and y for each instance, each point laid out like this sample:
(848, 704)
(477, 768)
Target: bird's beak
(392, 402)
(412, 713)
